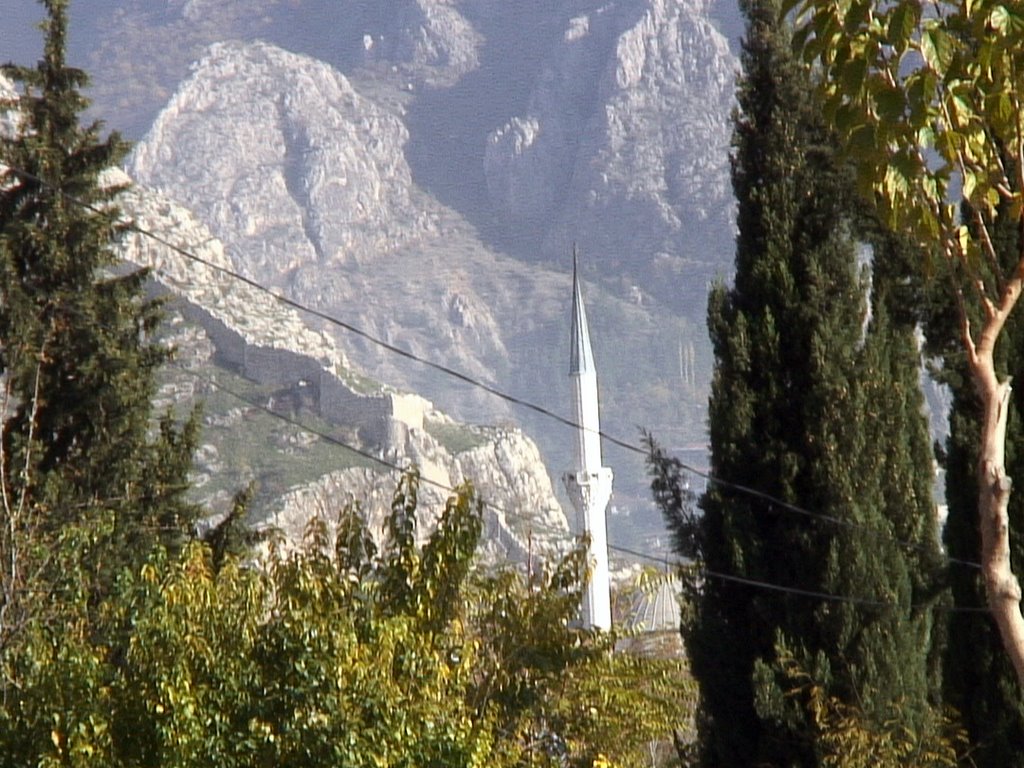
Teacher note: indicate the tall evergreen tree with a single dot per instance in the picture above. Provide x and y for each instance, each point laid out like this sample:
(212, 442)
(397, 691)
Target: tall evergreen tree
(77, 357)
(979, 680)
(813, 406)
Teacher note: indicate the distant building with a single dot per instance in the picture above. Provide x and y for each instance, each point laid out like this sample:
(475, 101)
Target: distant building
(653, 624)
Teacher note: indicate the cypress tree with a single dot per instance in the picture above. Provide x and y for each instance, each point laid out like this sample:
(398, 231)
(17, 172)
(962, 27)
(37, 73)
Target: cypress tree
(978, 679)
(77, 355)
(815, 407)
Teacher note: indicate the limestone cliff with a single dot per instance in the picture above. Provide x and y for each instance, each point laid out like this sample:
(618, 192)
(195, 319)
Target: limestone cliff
(282, 153)
(268, 344)
(624, 146)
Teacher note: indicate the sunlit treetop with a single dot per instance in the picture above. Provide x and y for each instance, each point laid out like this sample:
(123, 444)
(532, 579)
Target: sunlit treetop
(927, 100)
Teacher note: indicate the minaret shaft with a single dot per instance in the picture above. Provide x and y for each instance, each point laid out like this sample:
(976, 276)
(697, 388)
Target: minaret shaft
(589, 483)
(587, 415)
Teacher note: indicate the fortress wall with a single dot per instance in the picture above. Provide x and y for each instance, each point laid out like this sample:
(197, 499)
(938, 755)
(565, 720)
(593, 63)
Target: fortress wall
(340, 405)
(279, 367)
(383, 419)
(229, 344)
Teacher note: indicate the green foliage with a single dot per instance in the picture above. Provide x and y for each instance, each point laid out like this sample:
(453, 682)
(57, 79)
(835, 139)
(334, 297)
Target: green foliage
(813, 405)
(310, 661)
(928, 103)
(848, 739)
(299, 664)
(672, 495)
(558, 693)
(77, 359)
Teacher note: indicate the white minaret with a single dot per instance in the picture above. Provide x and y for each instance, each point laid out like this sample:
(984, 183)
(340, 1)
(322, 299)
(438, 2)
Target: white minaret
(589, 484)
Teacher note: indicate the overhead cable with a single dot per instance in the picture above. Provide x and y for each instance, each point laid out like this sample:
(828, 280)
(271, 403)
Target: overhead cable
(470, 380)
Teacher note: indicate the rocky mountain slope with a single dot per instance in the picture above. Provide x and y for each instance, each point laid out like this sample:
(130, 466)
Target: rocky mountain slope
(239, 345)
(421, 168)
(624, 147)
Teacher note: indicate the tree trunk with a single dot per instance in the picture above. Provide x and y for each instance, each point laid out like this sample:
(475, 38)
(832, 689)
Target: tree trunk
(1001, 586)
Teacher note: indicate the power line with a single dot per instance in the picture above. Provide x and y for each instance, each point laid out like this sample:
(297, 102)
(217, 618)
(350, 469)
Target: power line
(467, 379)
(706, 572)
(810, 593)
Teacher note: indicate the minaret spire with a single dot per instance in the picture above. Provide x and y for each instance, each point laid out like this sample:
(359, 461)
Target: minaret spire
(589, 484)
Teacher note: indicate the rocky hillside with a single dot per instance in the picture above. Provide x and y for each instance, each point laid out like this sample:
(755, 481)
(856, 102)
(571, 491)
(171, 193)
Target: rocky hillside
(247, 357)
(420, 169)
(623, 147)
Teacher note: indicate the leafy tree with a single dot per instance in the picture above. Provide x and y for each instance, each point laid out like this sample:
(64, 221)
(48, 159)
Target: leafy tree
(310, 661)
(77, 358)
(558, 694)
(850, 740)
(814, 406)
(928, 104)
(978, 678)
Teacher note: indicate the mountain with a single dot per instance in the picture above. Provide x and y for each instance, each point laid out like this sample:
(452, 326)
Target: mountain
(248, 359)
(623, 148)
(419, 169)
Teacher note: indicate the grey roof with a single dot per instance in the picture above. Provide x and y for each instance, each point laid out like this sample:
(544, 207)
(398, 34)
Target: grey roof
(581, 357)
(656, 608)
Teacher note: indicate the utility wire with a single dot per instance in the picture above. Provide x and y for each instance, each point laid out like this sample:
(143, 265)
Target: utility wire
(866, 602)
(764, 585)
(467, 379)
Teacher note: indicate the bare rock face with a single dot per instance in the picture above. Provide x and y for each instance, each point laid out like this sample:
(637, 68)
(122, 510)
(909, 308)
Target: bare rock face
(279, 152)
(301, 173)
(255, 316)
(139, 50)
(432, 41)
(521, 514)
(624, 148)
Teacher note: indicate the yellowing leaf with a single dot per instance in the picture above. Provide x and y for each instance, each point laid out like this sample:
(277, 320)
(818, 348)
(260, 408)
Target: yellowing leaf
(992, 197)
(999, 18)
(970, 183)
(901, 25)
(963, 238)
(936, 49)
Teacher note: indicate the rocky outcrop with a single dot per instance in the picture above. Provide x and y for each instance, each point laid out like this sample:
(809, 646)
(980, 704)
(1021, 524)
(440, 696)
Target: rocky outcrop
(282, 153)
(624, 147)
(430, 39)
(139, 51)
(379, 251)
(521, 516)
(433, 290)
(237, 315)
(248, 330)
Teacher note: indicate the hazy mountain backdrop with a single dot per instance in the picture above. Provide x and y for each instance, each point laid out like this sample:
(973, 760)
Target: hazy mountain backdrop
(421, 169)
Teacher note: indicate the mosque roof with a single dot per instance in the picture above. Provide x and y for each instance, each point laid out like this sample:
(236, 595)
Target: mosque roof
(656, 607)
